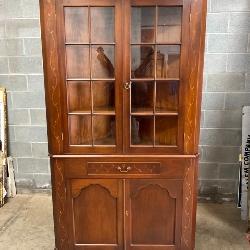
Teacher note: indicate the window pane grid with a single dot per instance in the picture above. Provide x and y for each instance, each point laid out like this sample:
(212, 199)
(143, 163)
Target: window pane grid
(163, 117)
(90, 68)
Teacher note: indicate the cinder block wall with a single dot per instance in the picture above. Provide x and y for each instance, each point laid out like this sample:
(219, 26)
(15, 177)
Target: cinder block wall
(21, 73)
(226, 89)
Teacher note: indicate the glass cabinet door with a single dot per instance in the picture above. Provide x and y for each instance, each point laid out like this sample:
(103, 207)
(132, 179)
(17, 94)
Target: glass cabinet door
(154, 77)
(92, 77)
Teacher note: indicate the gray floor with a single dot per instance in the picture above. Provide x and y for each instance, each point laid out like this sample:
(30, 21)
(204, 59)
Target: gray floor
(26, 223)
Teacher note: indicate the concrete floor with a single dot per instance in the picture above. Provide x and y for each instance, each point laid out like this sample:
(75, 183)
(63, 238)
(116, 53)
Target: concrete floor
(26, 223)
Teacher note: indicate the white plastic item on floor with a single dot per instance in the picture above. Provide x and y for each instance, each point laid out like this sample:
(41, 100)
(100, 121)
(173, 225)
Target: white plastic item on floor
(245, 162)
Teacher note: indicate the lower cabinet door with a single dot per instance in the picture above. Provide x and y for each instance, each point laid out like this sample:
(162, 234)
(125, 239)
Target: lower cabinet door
(96, 217)
(153, 209)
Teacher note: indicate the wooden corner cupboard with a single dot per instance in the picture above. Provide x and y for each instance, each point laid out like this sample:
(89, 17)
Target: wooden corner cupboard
(123, 81)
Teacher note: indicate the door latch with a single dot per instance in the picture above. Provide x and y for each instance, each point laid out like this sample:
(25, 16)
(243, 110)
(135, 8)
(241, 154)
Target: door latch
(127, 85)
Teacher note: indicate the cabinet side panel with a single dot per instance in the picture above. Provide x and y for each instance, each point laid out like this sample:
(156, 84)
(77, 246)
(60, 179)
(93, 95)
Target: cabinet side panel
(194, 86)
(59, 204)
(51, 74)
(189, 206)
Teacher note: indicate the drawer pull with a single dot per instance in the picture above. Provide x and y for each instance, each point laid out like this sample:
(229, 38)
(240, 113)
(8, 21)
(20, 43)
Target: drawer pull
(124, 169)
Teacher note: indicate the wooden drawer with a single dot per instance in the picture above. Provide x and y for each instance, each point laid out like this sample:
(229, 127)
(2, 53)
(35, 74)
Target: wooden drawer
(126, 167)
(114, 168)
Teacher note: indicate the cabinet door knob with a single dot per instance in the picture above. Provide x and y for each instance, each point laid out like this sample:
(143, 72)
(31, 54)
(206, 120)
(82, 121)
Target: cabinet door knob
(127, 85)
(124, 169)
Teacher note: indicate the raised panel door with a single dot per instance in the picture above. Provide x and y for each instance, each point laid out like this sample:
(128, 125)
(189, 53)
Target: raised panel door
(96, 210)
(153, 214)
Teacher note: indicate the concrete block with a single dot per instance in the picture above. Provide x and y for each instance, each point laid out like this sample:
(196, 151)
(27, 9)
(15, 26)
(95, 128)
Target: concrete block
(23, 28)
(2, 28)
(248, 46)
(220, 137)
(208, 6)
(248, 82)
(26, 65)
(20, 149)
(213, 101)
(13, 8)
(14, 82)
(237, 100)
(42, 181)
(33, 46)
(4, 81)
(239, 22)
(227, 186)
(215, 63)
(217, 22)
(38, 116)
(24, 181)
(36, 83)
(31, 134)
(31, 8)
(32, 165)
(238, 63)
(4, 69)
(40, 149)
(9, 100)
(217, 187)
(3, 46)
(222, 119)
(226, 82)
(229, 171)
(208, 171)
(204, 82)
(224, 43)
(11, 133)
(28, 100)
(19, 117)
(14, 47)
(229, 5)
(202, 119)
(220, 154)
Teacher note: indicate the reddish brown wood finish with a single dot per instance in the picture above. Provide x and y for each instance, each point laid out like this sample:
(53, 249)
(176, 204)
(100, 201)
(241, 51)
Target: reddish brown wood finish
(51, 74)
(158, 226)
(120, 196)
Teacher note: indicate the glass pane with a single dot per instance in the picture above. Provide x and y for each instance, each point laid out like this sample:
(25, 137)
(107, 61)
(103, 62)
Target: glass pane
(168, 61)
(80, 130)
(102, 24)
(103, 61)
(142, 96)
(166, 130)
(169, 25)
(167, 96)
(143, 25)
(142, 62)
(78, 61)
(142, 130)
(104, 96)
(79, 96)
(104, 130)
(76, 25)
